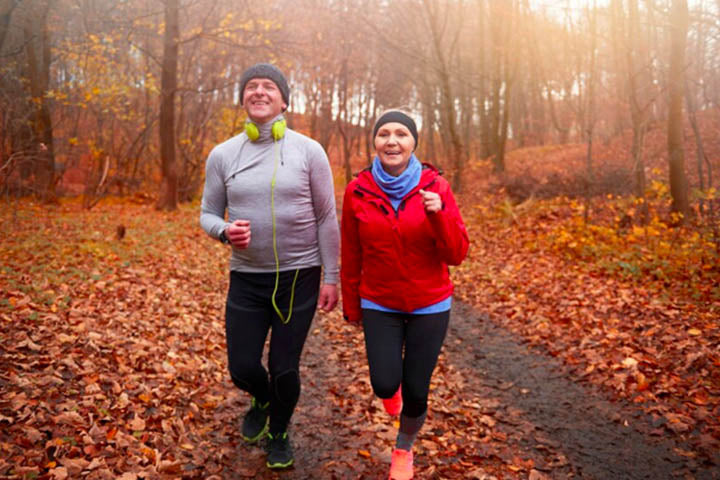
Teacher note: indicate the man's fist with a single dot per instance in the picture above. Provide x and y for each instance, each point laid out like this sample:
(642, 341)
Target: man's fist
(238, 233)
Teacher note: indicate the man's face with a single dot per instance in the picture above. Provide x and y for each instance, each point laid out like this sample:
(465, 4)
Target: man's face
(262, 100)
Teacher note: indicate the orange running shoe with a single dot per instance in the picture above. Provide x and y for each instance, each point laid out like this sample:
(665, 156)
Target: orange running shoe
(393, 405)
(401, 467)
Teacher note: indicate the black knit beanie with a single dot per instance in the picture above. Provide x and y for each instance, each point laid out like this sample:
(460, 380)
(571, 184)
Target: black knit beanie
(399, 117)
(265, 70)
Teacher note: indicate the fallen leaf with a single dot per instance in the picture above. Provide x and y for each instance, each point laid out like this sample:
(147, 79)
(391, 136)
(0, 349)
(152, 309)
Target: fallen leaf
(137, 424)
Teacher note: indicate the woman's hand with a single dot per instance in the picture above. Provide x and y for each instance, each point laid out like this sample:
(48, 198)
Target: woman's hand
(432, 201)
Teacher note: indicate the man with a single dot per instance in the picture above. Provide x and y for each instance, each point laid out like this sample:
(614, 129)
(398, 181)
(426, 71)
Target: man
(277, 188)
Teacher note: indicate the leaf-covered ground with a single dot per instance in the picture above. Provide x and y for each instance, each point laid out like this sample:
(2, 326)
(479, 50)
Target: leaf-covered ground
(113, 364)
(113, 359)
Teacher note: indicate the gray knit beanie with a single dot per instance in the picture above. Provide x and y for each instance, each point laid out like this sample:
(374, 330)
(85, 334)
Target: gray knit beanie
(265, 70)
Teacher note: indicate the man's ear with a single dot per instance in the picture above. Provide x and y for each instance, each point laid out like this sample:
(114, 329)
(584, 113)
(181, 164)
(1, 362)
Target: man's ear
(284, 106)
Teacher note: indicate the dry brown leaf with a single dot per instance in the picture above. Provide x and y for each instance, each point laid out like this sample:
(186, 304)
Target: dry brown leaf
(137, 423)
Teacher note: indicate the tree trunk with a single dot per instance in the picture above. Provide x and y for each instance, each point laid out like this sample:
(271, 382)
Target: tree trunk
(6, 10)
(617, 33)
(506, 69)
(343, 122)
(429, 122)
(37, 47)
(485, 132)
(678, 181)
(327, 93)
(169, 189)
(369, 121)
(458, 160)
(701, 155)
(495, 120)
(636, 151)
(499, 159)
(592, 17)
(634, 61)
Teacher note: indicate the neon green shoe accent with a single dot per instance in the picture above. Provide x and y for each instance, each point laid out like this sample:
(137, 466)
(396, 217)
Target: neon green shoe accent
(255, 423)
(280, 454)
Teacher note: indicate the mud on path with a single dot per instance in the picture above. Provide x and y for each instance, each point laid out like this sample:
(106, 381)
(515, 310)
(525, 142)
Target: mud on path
(498, 410)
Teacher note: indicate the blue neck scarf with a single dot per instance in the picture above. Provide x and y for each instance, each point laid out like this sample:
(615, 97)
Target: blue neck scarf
(397, 187)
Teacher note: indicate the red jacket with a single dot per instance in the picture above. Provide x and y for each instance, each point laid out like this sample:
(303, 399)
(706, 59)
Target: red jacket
(398, 259)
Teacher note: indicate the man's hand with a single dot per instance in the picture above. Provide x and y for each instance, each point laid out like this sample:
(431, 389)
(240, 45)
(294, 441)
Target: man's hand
(432, 201)
(328, 297)
(238, 233)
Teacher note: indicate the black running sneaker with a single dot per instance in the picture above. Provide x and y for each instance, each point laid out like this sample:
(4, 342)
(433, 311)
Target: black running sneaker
(279, 451)
(255, 423)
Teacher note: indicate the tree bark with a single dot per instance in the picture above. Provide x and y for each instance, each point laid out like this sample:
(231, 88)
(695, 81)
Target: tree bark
(343, 122)
(37, 48)
(700, 155)
(429, 121)
(482, 94)
(676, 155)
(169, 189)
(6, 10)
(638, 112)
(590, 116)
(506, 69)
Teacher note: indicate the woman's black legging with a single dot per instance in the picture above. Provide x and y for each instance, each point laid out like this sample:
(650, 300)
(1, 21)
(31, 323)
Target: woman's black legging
(249, 315)
(421, 336)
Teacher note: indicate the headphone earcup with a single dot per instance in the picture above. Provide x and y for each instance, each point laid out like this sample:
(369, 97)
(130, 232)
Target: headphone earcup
(252, 132)
(278, 129)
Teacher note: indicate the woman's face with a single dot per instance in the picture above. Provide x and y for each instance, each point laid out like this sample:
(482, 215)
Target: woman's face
(394, 145)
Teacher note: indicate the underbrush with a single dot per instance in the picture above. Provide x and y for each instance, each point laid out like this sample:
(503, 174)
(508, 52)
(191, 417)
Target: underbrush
(613, 181)
(676, 260)
(684, 260)
(614, 233)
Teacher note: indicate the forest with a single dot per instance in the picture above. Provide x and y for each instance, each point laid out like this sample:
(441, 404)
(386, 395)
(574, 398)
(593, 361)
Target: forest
(119, 96)
(581, 138)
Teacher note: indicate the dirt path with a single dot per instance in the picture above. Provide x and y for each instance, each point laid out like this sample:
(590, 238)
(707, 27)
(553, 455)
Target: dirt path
(572, 428)
(498, 410)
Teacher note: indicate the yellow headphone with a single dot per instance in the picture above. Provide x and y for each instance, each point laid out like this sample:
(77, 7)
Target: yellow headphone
(277, 130)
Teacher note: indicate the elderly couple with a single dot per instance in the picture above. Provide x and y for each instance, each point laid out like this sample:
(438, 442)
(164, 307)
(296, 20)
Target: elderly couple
(400, 230)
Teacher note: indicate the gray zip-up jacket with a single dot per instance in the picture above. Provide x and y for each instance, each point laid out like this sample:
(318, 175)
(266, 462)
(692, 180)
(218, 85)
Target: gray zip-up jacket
(238, 177)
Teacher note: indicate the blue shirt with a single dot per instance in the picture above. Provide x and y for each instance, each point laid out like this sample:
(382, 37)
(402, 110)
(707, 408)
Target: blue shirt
(441, 306)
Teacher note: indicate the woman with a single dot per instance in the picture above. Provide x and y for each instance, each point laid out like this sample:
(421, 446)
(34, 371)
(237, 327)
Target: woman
(401, 228)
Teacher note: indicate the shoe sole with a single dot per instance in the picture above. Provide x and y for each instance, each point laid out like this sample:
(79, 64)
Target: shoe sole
(257, 437)
(280, 465)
